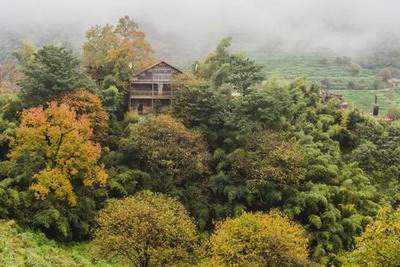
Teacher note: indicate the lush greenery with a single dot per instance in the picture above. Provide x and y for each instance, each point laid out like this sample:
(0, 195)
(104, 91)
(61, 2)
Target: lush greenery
(245, 167)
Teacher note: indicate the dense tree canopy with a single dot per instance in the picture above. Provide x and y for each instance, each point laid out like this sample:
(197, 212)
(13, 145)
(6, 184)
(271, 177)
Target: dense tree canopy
(223, 67)
(167, 150)
(272, 172)
(60, 144)
(52, 169)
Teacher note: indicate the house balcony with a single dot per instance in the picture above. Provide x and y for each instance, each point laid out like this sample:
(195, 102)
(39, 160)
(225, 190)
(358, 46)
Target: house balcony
(148, 94)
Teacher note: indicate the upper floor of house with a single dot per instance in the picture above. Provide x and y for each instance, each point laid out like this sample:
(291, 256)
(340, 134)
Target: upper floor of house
(154, 82)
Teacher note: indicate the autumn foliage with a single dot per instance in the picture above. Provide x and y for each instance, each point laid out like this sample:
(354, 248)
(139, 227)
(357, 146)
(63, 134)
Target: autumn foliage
(117, 51)
(148, 229)
(87, 104)
(258, 240)
(61, 143)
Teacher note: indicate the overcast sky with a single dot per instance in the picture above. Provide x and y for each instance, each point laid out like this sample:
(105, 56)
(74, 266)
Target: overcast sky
(343, 25)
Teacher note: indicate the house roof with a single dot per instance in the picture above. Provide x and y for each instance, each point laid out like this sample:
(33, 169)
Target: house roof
(156, 64)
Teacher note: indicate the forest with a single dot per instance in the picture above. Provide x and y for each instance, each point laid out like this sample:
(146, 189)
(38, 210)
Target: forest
(245, 168)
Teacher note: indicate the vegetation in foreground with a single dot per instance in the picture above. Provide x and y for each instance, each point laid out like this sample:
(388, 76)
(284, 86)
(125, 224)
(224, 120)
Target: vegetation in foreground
(240, 169)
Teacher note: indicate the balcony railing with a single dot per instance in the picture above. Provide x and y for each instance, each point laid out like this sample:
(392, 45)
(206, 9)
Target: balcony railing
(149, 93)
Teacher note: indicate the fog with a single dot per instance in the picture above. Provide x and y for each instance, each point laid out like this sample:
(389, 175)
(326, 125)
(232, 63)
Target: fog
(188, 27)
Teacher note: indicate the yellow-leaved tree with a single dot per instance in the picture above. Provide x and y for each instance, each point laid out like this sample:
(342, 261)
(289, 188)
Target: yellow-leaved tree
(148, 229)
(116, 52)
(379, 245)
(259, 239)
(57, 143)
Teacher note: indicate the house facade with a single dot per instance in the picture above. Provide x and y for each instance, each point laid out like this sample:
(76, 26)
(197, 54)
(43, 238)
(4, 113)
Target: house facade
(152, 89)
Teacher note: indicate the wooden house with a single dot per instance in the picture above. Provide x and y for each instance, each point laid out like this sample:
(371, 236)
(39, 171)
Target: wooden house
(152, 89)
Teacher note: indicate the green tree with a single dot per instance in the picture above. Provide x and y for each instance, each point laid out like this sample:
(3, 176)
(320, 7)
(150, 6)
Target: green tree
(354, 69)
(163, 147)
(221, 67)
(277, 104)
(50, 73)
(148, 229)
(204, 109)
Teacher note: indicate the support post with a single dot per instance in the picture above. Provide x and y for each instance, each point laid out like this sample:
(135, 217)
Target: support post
(152, 97)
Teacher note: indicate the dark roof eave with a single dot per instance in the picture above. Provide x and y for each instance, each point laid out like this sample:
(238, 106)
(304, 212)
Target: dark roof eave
(155, 64)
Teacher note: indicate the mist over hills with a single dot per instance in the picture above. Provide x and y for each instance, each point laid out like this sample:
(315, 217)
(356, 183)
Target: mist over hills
(184, 30)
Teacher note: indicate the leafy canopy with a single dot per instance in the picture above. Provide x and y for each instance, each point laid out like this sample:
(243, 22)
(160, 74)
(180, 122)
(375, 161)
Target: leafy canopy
(87, 104)
(380, 243)
(222, 67)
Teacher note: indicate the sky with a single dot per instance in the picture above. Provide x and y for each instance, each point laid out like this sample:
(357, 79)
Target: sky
(346, 26)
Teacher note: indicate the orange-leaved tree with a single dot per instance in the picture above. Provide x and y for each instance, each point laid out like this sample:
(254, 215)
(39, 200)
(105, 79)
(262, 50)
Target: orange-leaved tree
(87, 104)
(59, 143)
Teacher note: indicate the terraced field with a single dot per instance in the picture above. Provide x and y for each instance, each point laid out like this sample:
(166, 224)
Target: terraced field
(364, 99)
(359, 90)
(318, 66)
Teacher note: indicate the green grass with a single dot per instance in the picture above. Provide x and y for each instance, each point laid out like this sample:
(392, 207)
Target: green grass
(20, 247)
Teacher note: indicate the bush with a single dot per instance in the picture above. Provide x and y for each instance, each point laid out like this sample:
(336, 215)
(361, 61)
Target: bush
(148, 229)
(393, 113)
(354, 69)
(19, 247)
